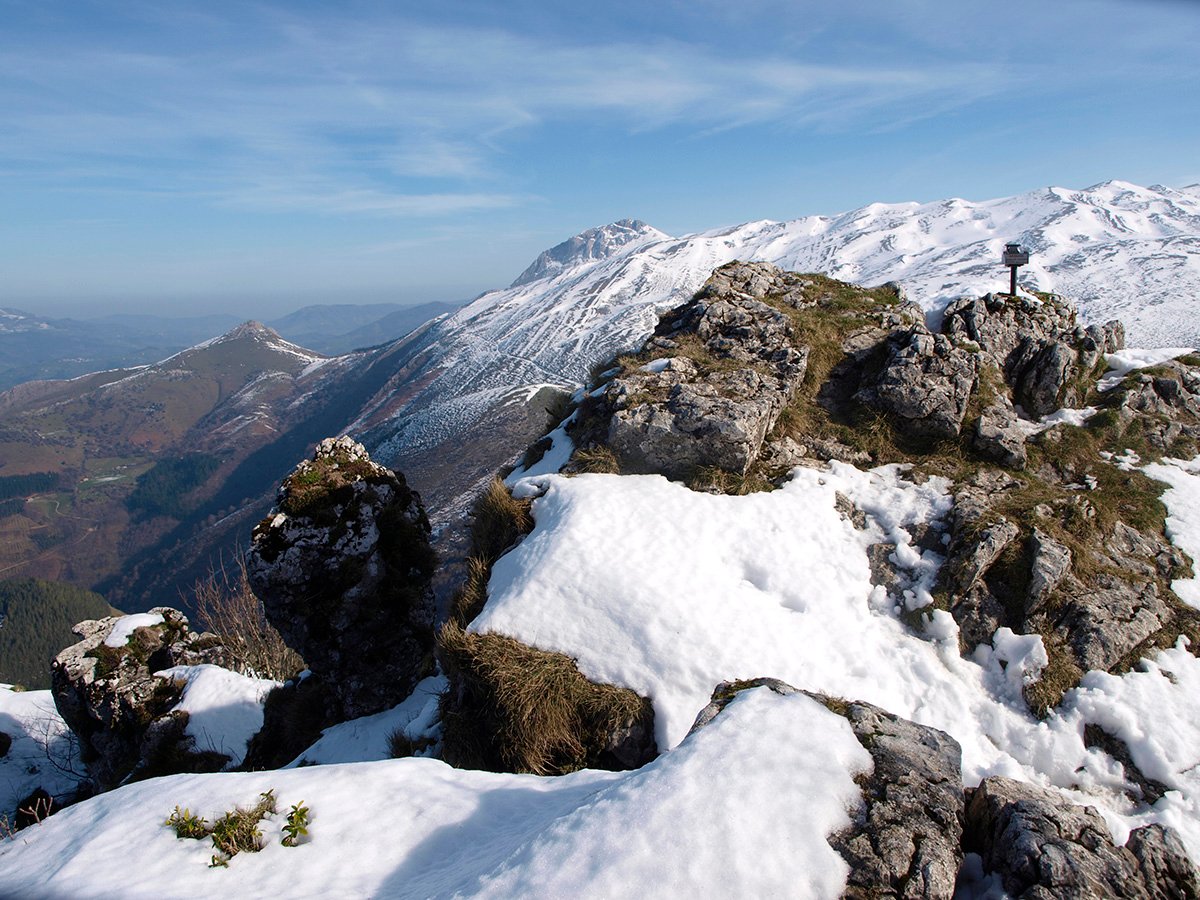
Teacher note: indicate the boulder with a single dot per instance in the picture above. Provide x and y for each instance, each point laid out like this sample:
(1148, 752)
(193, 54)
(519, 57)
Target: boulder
(1043, 846)
(999, 435)
(1110, 616)
(905, 839)
(343, 568)
(106, 691)
(925, 384)
(1050, 565)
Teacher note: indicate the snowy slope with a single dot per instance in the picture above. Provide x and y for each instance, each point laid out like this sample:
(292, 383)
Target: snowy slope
(708, 588)
(416, 828)
(712, 588)
(1116, 249)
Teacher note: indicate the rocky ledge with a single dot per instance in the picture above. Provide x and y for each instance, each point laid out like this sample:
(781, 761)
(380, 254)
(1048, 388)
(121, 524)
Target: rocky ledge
(121, 712)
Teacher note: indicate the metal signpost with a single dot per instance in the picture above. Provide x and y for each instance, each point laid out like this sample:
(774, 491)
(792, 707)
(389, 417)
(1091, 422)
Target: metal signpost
(1014, 257)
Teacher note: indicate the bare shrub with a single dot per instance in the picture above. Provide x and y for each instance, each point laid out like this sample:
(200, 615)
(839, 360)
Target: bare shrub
(228, 607)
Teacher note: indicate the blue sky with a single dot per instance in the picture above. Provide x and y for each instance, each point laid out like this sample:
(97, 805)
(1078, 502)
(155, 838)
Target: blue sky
(255, 157)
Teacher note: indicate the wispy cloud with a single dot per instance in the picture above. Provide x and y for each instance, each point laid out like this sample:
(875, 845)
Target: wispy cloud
(397, 118)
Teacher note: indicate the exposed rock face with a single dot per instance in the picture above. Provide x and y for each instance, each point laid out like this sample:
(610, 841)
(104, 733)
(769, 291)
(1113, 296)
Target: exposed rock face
(121, 712)
(715, 412)
(1045, 357)
(1044, 846)
(905, 840)
(925, 384)
(999, 435)
(343, 568)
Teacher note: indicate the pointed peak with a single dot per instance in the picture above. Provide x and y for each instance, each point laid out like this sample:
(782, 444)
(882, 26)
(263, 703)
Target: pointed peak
(250, 328)
(588, 246)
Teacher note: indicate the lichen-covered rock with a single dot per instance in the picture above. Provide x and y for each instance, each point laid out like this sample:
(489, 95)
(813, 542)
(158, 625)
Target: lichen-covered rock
(999, 436)
(1165, 407)
(925, 384)
(716, 407)
(1046, 357)
(1050, 564)
(1044, 846)
(343, 569)
(1109, 617)
(905, 839)
(106, 691)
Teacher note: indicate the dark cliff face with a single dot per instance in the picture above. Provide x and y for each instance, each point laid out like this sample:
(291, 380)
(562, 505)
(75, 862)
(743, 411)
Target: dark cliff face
(343, 567)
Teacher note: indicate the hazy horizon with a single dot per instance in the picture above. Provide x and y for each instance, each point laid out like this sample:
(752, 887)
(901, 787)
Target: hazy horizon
(219, 157)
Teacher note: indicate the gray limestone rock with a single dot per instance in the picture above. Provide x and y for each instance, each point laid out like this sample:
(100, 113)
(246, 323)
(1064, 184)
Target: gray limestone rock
(720, 421)
(343, 568)
(905, 838)
(681, 415)
(1044, 846)
(1045, 356)
(120, 711)
(925, 383)
(999, 435)
(1051, 564)
(1110, 617)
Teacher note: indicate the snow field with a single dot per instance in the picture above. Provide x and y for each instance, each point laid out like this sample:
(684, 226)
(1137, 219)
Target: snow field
(669, 592)
(741, 808)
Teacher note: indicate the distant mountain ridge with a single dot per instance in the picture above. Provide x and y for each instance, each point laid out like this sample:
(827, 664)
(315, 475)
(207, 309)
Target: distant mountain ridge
(464, 393)
(1116, 249)
(588, 246)
(35, 347)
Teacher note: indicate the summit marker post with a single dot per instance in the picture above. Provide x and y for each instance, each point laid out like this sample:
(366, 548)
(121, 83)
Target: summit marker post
(1014, 257)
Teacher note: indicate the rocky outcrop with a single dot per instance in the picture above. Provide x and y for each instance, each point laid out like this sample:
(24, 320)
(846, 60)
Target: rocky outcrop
(715, 404)
(905, 840)
(766, 370)
(343, 568)
(1047, 359)
(106, 691)
(1044, 846)
(925, 384)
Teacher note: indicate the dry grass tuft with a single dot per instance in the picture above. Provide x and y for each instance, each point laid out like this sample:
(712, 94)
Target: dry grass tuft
(469, 600)
(597, 460)
(520, 709)
(498, 521)
(229, 608)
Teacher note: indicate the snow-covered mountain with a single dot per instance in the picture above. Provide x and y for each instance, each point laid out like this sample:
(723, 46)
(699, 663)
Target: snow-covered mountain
(589, 246)
(1116, 249)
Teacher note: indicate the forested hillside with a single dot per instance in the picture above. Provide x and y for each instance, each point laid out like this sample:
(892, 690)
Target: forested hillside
(35, 623)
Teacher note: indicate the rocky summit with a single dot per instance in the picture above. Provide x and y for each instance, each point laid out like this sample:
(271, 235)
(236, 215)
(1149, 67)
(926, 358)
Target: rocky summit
(939, 625)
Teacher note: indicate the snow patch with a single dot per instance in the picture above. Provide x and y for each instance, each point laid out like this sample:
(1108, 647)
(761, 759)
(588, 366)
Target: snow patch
(224, 709)
(1182, 500)
(740, 808)
(1123, 362)
(127, 625)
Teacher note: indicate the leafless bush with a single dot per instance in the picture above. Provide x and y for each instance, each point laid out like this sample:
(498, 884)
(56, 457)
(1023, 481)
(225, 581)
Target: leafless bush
(227, 607)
